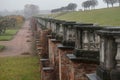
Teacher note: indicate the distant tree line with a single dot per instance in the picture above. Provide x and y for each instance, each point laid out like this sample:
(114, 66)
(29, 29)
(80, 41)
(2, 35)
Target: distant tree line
(69, 7)
(111, 2)
(91, 4)
(87, 5)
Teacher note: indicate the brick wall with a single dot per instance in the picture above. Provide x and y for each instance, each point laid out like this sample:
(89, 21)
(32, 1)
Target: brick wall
(63, 64)
(44, 43)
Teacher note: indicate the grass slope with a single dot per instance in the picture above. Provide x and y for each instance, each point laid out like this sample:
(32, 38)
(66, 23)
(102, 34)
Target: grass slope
(107, 16)
(54, 15)
(19, 68)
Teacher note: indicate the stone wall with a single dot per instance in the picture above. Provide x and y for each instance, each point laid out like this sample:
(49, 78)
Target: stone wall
(64, 63)
(59, 66)
(60, 62)
(73, 70)
(44, 42)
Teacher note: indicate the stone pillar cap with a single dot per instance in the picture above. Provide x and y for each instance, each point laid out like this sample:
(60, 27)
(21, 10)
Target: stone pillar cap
(109, 31)
(69, 23)
(88, 26)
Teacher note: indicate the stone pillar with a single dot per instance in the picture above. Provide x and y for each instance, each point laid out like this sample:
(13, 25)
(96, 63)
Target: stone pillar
(68, 35)
(49, 25)
(45, 23)
(85, 40)
(118, 53)
(47, 73)
(53, 27)
(61, 28)
(57, 27)
(53, 50)
(63, 62)
(78, 40)
(97, 41)
(44, 43)
(64, 33)
(92, 40)
(108, 52)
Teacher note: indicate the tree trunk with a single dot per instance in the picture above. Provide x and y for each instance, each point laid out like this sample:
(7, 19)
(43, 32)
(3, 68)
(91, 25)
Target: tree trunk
(112, 4)
(107, 5)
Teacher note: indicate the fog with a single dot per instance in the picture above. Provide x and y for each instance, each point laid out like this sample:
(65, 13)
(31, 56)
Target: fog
(12, 5)
(9, 7)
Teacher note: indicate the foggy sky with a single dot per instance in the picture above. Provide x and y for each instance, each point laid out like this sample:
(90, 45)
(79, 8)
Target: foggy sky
(11, 5)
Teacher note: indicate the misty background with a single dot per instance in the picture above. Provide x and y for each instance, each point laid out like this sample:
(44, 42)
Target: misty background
(8, 7)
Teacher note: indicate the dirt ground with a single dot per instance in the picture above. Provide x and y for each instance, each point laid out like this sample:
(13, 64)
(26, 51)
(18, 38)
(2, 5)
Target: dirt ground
(20, 44)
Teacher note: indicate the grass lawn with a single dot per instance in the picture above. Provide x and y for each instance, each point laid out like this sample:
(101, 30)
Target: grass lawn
(106, 16)
(8, 35)
(1, 47)
(10, 32)
(19, 68)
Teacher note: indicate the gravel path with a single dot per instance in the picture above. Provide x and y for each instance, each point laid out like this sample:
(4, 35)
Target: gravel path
(19, 44)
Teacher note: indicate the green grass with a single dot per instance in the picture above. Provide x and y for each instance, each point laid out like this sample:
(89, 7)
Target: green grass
(106, 16)
(1, 47)
(19, 68)
(8, 35)
(53, 15)
(11, 32)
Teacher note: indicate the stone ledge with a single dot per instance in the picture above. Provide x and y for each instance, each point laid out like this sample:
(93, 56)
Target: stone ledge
(88, 27)
(64, 47)
(49, 36)
(47, 68)
(81, 59)
(54, 40)
(39, 48)
(71, 56)
(68, 43)
(109, 31)
(92, 76)
(44, 59)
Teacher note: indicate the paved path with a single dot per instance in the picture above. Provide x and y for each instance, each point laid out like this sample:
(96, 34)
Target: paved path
(19, 44)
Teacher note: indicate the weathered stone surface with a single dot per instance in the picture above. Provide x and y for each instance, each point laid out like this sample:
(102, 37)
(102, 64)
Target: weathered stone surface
(63, 63)
(115, 75)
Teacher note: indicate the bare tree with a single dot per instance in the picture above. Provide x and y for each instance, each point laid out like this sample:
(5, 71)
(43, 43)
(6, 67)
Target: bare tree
(72, 6)
(111, 2)
(93, 3)
(69, 7)
(107, 2)
(30, 10)
(118, 2)
(89, 4)
(86, 5)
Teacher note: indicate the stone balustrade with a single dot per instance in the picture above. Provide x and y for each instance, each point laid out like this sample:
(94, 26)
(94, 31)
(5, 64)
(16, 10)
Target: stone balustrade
(77, 49)
(109, 55)
(69, 33)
